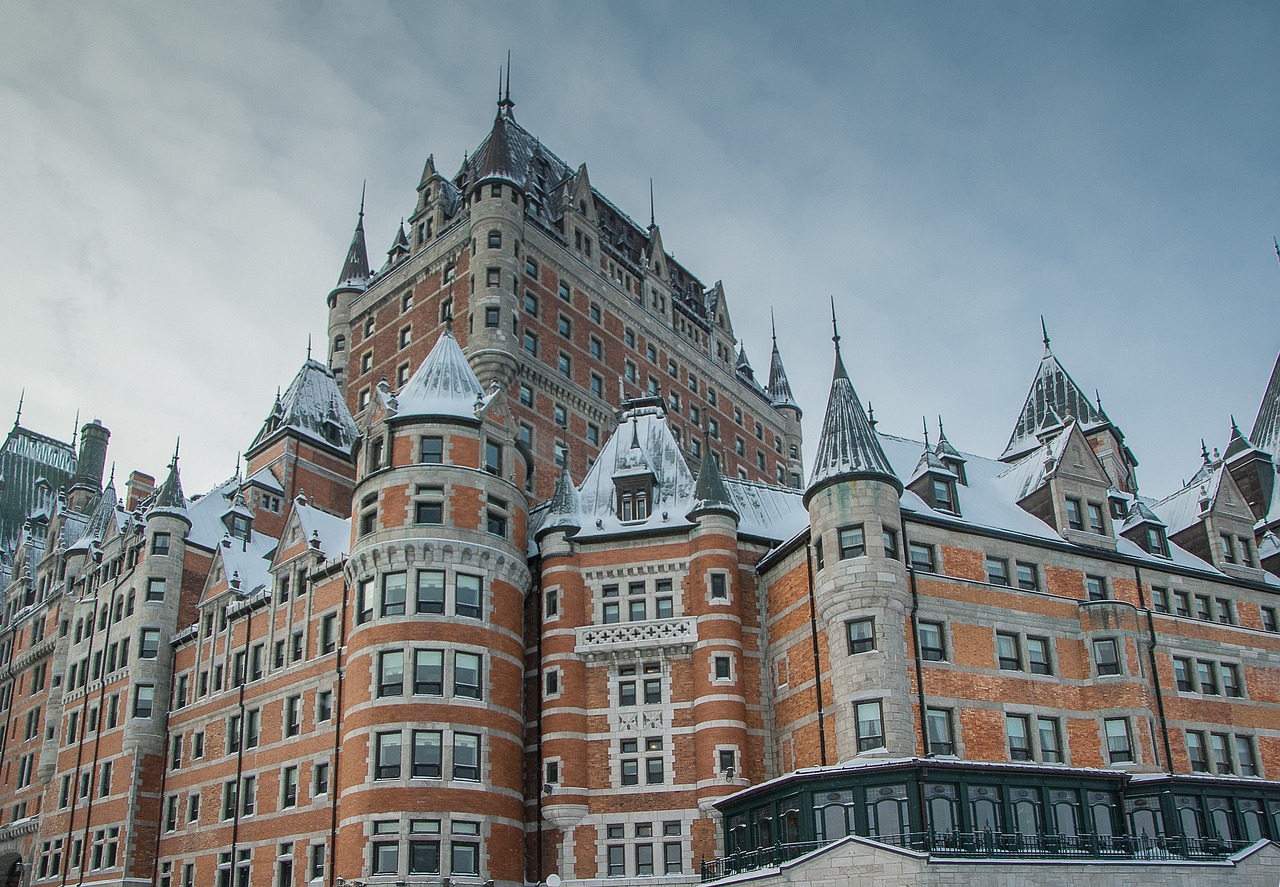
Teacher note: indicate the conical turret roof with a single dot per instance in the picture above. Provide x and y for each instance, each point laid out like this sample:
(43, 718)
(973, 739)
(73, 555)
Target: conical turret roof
(501, 156)
(565, 509)
(443, 385)
(1266, 427)
(96, 529)
(355, 270)
(779, 388)
(169, 496)
(710, 493)
(848, 447)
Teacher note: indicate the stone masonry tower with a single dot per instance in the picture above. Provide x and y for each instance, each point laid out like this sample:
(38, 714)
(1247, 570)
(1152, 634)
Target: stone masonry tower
(860, 584)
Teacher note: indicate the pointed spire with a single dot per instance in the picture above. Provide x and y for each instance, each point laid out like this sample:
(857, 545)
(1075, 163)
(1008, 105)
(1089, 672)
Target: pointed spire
(848, 448)
(17, 419)
(652, 216)
(924, 421)
(308, 346)
(169, 496)
(1265, 434)
(710, 493)
(779, 387)
(443, 384)
(835, 338)
(871, 416)
(1237, 443)
(1044, 332)
(504, 95)
(75, 430)
(1053, 398)
(355, 270)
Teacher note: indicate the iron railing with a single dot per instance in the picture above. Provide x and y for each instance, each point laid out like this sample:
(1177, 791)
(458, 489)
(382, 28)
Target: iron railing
(988, 844)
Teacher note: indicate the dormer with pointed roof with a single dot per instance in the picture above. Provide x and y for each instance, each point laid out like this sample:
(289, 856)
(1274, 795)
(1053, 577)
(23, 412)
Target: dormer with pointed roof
(1144, 528)
(1210, 518)
(1253, 469)
(399, 248)
(169, 498)
(565, 509)
(848, 448)
(949, 455)
(779, 387)
(933, 481)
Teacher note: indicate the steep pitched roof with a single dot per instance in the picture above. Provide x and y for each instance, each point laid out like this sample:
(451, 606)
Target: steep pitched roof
(1054, 397)
(169, 496)
(1266, 427)
(443, 385)
(565, 509)
(25, 458)
(311, 406)
(779, 388)
(710, 494)
(355, 269)
(848, 446)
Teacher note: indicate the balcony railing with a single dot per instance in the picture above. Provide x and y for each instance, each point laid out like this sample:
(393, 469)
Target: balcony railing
(637, 639)
(987, 845)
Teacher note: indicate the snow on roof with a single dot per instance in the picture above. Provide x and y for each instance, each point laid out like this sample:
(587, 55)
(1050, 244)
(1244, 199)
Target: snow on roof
(1266, 427)
(1182, 509)
(249, 561)
(1028, 474)
(1053, 393)
(443, 385)
(767, 511)
(313, 406)
(848, 444)
(265, 479)
(333, 532)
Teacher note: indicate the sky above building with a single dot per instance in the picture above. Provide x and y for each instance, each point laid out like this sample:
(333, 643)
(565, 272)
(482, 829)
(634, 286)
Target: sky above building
(179, 183)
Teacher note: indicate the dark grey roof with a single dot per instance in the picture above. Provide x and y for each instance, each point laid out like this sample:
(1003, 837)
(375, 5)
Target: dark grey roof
(169, 496)
(710, 493)
(1054, 396)
(313, 406)
(848, 447)
(355, 270)
(1266, 427)
(564, 510)
(779, 388)
(96, 528)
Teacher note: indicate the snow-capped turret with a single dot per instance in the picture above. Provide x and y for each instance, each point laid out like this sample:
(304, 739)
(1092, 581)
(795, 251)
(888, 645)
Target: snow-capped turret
(169, 497)
(848, 447)
(355, 270)
(779, 388)
(565, 509)
(444, 385)
(710, 494)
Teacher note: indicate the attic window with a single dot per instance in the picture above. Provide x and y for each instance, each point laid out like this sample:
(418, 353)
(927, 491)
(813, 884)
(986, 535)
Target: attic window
(944, 495)
(634, 496)
(239, 526)
(1155, 542)
(1074, 519)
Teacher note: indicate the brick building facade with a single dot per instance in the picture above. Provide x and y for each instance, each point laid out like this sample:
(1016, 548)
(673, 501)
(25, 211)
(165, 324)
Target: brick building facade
(528, 579)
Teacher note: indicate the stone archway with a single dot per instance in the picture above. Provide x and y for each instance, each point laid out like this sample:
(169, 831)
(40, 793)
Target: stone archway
(11, 870)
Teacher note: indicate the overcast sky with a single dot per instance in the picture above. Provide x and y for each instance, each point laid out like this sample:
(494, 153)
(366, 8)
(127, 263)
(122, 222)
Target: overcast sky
(178, 185)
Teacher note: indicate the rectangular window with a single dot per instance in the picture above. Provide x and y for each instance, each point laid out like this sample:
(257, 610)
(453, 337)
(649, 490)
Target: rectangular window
(1203, 608)
(431, 591)
(292, 715)
(289, 787)
(1096, 588)
(1182, 602)
(1196, 755)
(1230, 679)
(160, 543)
(320, 778)
(938, 722)
(921, 556)
(466, 675)
(391, 673)
(1028, 576)
(1008, 655)
(932, 645)
(1075, 519)
(1038, 661)
(393, 591)
(1245, 757)
(1106, 656)
(870, 726)
(1050, 740)
(467, 596)
(852, 542)
(1096, 524)
(1223, 612)
(1019, 742)
(1208, 678)
(997, 571)
(387, 755)
(155, 589)
(889, 538)
(719, 586)
(149, 648)
(1159, 599)
(466, 756)
(861, 634)
(143, 700)
(1182, 674)
(427, 753)
(428, 673)
(1119, 747)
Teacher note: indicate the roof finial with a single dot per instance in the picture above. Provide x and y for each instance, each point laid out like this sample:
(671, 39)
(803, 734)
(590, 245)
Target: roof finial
(173, 463)
(924, 420)
(1045, 332)
(871, 416)
(448, 317)
(652, 215)
(363, 185)
(308, 346)
(75, 430)
(942, 435)
(1204, 451)
(508, 94)
(835, 338)
(773, 327)
(1276, 243)
(112, 477)
(21, 397)
(1097, 397)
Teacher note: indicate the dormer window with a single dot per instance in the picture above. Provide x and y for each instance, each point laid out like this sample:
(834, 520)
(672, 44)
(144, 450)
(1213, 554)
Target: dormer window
(1155, 542)
(239, 526)
(1096, 522)
(635, 497)
(1075, 520)
(944, 494)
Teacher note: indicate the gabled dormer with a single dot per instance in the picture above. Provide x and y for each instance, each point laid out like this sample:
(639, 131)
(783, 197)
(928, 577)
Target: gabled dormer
(1210, 518)
(950, 456)
(1253, 470)
(1063, 483)
(633, 480)
(238, 519)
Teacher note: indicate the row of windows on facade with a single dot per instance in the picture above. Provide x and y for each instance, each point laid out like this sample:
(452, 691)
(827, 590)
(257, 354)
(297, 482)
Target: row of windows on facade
(247, 666)
(241, 799)
(427, 759)
(1047, 736)
(431, 451)
(635, 854)
(430, 598)
(1026, 575)
(313, 867)
(429, 510)
(1034, 654)
(121, 606)
(244, 731)
(103, 853)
